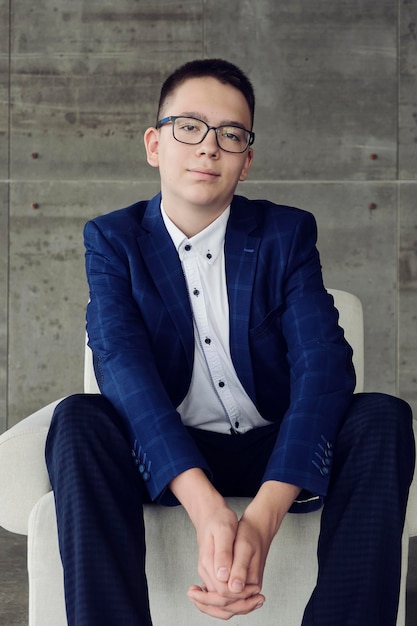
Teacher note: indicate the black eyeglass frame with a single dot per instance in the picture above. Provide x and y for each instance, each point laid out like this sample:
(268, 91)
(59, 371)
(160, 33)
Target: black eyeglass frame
(172, 118)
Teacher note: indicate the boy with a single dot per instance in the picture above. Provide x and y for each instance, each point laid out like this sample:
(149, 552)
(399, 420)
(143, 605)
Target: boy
(223, 371)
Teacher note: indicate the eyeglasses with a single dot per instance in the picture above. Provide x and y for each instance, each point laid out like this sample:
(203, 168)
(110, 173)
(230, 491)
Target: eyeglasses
(192, 131)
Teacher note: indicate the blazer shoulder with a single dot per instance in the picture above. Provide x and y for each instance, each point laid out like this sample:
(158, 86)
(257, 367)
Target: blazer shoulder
(269, 213)
(125, 220)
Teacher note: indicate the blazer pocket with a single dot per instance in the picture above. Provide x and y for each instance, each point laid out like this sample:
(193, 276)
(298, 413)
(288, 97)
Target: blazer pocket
(270, 323)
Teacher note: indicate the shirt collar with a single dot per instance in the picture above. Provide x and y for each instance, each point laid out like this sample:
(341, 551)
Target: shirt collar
(208, 243)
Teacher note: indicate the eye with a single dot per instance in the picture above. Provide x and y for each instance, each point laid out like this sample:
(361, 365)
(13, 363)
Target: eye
(232, 133)
(189, 125)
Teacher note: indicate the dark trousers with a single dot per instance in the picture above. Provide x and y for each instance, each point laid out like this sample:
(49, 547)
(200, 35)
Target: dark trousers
(99, 495)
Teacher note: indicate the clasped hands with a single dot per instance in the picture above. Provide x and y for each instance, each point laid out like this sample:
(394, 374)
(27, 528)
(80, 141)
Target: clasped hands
(231, 552)
(232, 556)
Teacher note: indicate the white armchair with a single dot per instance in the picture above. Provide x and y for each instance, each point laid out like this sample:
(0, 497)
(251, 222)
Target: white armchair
(27, 507)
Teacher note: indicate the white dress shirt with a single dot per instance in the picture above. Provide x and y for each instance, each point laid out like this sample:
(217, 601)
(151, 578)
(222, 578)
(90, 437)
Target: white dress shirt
(216, 400)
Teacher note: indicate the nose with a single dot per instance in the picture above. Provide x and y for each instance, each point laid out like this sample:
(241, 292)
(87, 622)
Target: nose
(209, 144)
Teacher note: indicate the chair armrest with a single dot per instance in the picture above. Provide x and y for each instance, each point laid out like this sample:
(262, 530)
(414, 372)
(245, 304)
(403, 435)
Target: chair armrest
(23, 474)
(412, 499)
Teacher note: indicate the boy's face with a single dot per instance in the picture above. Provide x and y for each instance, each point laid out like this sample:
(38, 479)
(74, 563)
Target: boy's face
(200, 176)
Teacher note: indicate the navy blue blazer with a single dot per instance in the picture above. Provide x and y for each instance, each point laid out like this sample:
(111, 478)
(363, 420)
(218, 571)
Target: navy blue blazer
(287, 348)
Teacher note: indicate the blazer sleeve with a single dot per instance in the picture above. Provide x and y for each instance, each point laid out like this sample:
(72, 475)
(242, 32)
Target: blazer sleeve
(322, 377)
(126, 370)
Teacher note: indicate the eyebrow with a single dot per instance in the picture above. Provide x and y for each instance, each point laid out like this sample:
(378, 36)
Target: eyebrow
(204, 118)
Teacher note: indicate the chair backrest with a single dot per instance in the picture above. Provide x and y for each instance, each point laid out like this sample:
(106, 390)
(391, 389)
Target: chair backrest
(90, 382)
(350, 319)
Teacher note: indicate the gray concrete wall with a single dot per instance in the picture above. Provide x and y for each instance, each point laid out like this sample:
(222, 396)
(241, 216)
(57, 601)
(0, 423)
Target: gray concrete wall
(336, 130)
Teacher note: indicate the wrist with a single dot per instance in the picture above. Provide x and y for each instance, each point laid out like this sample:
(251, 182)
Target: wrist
(196, 493)
(272, 503)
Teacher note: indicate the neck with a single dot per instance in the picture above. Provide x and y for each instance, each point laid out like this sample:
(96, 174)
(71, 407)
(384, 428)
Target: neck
(192, 220)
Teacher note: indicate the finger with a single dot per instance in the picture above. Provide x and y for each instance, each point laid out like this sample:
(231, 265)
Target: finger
(214, 605)
(215, 558)
(226, 614)
(243, 567)
(223, 554)
(245, 575)
(206, 596)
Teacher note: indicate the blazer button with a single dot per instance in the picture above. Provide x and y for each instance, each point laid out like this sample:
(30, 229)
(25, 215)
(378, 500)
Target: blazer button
(146, 476)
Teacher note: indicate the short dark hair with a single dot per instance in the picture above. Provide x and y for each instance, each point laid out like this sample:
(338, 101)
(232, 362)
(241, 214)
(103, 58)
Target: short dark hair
(224, 71)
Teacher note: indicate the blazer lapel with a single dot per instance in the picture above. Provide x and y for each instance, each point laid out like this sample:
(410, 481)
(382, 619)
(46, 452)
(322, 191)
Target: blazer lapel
(164, 266)
(241, 250)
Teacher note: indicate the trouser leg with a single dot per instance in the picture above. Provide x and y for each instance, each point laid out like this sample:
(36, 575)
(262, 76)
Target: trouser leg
(99, 496)
(359, 548)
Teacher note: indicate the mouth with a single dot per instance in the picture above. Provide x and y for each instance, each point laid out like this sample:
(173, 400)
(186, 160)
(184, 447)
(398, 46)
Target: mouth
(204, 174)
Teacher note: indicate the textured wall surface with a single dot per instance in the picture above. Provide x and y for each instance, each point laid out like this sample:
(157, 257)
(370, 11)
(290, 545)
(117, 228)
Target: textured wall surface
(336, 133)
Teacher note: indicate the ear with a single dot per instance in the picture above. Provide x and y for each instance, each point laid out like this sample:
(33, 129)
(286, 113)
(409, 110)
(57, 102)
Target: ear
(151, 141)
(248, 162)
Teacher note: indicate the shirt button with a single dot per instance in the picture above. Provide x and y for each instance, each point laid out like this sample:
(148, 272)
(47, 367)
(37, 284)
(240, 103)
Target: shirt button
(187, 247)
(221, 384)
(209, 256)
(196, 292)
(207, 340)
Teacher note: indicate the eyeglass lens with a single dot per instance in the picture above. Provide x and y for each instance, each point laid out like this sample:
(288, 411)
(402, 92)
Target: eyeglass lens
(192, 131)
